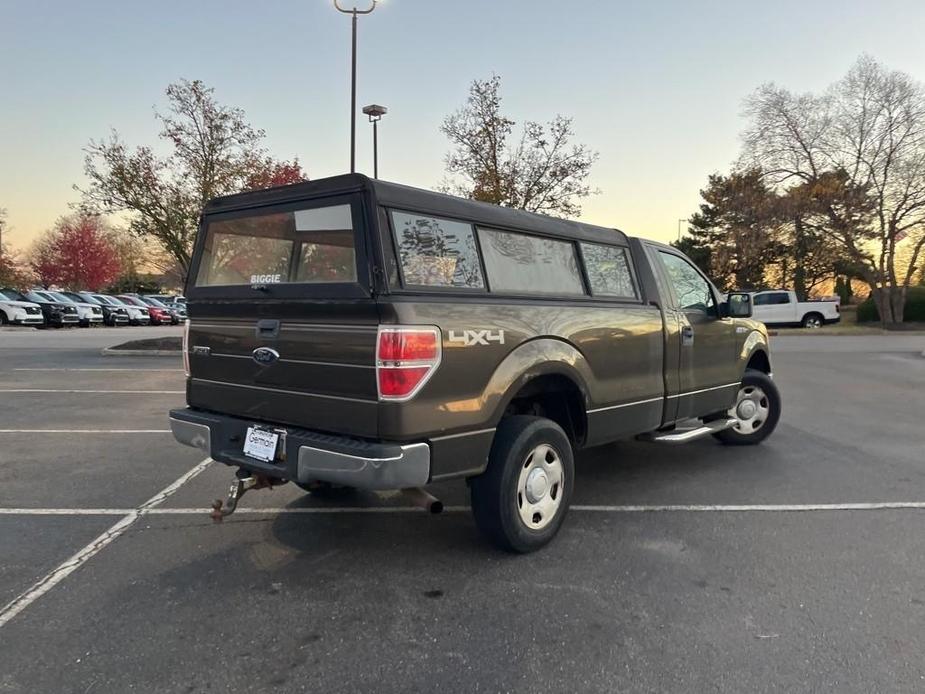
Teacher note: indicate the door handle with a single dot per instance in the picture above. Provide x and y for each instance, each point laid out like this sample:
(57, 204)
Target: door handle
(687, 336)
(268, 329)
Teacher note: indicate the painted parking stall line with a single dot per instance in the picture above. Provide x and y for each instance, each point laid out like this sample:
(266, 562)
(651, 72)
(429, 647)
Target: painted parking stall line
(85, 391)
(579, 508)
(84, 431)
(98, 369)
(69, 566)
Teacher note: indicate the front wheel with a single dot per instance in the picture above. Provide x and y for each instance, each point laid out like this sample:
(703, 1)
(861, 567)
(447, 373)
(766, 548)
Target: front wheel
(756, 411)
(521, 499)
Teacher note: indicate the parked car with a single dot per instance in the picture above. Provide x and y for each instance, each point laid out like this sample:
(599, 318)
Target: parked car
(159, 315)
(137, 315)
(781, 307)
(57, 313)
(171, 303)
(172, 314)
(15, 311)
(113, 315)
(88, 313)
(396, 337)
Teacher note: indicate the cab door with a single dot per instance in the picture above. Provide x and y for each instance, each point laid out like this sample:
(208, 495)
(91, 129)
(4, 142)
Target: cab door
(708, 375)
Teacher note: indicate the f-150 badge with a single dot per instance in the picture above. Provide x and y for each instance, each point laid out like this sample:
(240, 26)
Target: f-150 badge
(470, 338)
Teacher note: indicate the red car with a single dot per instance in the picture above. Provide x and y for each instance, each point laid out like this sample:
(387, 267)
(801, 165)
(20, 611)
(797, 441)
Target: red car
(159, 316)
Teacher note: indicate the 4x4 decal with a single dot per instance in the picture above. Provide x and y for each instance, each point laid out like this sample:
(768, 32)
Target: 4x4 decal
(470, 338)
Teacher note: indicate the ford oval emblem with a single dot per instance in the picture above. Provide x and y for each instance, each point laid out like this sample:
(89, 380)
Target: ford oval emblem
(265, 356)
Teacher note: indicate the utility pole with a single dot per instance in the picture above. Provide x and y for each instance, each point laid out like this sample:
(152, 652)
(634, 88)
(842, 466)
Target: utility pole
(375, 113)
(353, 78)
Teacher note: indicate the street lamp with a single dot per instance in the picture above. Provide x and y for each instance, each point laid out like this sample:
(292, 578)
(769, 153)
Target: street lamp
(681, 221)
(375, 113)
(353, 79)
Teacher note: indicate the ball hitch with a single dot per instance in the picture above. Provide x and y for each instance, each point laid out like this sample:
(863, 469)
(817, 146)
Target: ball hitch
(243, 482)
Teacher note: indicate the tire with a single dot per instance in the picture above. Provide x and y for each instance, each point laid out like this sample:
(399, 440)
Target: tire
(326, 490)
(812, 321)
(757, 387)
(3, 319)
(500, 501)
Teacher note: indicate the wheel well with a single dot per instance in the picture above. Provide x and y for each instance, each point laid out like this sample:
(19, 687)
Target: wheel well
(812, 313)
(759, 362)
(556, 397)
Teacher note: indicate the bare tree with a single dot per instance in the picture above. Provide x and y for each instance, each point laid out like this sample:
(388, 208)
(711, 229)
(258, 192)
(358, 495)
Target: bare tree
(215, 152)
(860, 147)
(541, 171)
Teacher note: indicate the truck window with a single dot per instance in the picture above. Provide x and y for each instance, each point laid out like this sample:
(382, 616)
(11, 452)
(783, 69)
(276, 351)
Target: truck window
(436, 252)
(306, 246)
(778, 298)
(608, 270)
(692, 290)
(523, 264)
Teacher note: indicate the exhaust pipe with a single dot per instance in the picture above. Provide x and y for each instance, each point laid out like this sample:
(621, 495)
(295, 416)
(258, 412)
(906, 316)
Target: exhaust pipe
(422, 499)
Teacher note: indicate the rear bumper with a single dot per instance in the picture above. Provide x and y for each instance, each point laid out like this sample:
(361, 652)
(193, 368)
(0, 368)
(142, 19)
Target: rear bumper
(305, 456)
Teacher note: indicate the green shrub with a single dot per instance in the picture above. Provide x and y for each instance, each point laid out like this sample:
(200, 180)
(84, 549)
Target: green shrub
(913, 312)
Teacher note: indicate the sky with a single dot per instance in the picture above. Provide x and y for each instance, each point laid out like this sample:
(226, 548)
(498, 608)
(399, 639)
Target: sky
(656, 88)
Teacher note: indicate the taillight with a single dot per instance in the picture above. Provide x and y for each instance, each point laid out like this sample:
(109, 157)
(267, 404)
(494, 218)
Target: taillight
(405, 359)
(186, 347)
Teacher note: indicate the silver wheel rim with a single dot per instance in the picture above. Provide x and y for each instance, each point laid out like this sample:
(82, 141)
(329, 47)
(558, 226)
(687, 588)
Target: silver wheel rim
(751, 410)
(813, 322)
(540, 487)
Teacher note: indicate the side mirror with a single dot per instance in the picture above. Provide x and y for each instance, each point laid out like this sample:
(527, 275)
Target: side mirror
(738, 305)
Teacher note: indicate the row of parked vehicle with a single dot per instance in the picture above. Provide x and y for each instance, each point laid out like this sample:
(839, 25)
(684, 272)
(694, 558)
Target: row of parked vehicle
(43, 308)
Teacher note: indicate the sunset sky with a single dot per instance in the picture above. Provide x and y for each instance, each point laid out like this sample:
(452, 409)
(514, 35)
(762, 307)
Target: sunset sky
(656, 88)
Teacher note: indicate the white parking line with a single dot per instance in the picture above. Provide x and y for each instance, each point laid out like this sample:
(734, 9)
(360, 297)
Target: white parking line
(97, 369)
(53, 578)
(75, 390)
(579, 508)
(84, 431)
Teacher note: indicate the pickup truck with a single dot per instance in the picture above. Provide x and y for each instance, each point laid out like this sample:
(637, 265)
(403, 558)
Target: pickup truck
(781, 307)
(349, 332)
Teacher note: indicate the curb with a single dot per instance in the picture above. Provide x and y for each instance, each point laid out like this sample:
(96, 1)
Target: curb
(109, 352)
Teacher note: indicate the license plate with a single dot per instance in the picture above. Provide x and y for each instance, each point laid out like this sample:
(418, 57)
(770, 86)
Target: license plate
(260, 444)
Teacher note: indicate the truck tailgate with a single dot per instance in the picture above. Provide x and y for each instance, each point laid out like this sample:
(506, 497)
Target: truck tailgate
(323, 378)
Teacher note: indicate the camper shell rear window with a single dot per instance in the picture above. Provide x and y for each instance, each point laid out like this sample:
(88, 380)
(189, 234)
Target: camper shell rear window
(300, 249)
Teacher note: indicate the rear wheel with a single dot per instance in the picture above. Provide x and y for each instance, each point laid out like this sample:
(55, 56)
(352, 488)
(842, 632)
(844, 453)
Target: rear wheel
(520, 501)
(757, 411)
(813, 321)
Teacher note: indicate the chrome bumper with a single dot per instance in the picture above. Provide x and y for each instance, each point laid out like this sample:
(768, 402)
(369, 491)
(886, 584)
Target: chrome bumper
(411, 468)
(380, 465)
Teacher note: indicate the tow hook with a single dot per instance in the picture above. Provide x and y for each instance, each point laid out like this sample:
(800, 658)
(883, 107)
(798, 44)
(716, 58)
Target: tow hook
(243, 482)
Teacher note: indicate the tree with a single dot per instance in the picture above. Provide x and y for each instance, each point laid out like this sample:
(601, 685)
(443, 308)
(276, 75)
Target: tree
(13, 272)
(75, 254)
(860, 146)
(214, 152)
(540, 172)
(736, 229)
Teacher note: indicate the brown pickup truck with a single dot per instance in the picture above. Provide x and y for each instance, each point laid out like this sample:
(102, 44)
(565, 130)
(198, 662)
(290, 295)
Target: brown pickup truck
(348, 332)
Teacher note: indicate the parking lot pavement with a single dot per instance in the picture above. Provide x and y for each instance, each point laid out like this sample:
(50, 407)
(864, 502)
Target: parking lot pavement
(679, 569)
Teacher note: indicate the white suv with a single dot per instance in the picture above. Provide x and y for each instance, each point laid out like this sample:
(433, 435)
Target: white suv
(16, 312)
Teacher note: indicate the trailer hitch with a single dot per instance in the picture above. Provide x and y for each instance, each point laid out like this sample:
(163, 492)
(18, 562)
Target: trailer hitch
(243, 482)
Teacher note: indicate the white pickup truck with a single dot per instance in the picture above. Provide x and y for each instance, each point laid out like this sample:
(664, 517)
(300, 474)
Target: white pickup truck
(780, 307)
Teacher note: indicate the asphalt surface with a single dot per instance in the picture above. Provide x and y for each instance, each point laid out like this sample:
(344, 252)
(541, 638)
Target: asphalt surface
(299, 594)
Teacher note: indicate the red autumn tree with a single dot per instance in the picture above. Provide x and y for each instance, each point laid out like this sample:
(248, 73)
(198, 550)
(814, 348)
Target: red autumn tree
(275, 173)
(76, 254)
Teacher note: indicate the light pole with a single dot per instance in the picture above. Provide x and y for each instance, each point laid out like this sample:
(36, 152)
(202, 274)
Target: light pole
(353, 79)
(375, 113)
(680, 222)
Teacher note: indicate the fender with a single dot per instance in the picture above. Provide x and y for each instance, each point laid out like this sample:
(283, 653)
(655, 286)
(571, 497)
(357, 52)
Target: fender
(538, 357)
(756, 341)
